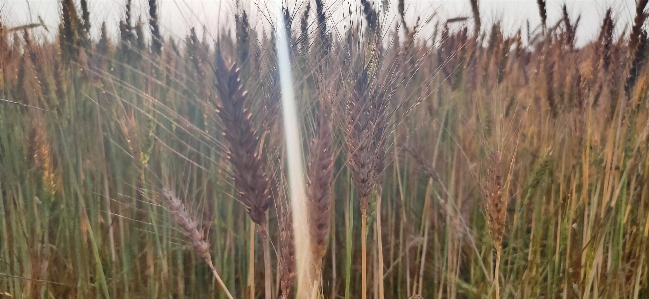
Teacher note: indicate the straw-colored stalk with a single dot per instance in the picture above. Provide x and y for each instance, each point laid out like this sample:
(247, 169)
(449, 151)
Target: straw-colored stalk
(366, 125)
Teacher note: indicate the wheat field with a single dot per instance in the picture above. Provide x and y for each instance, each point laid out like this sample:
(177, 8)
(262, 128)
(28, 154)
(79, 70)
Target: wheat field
(459, 162)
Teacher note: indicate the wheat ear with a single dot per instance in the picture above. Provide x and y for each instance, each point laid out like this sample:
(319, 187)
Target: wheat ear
(288, 273)
(366, 123)
(247, 163)
(318, 189)
(189, 228)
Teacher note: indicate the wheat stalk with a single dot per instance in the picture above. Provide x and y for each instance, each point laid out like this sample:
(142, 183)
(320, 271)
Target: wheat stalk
(366, 123)
(247, 163)
(248, 170)
(495, 207)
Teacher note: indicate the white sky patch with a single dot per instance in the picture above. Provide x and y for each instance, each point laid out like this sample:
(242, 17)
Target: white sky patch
(177, 16)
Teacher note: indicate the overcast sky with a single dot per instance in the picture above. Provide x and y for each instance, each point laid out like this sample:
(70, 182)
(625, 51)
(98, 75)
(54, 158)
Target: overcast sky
(177, 16)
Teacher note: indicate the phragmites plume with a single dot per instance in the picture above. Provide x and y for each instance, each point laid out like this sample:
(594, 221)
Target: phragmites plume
(318, 189)
(189, 228)
(247, 165)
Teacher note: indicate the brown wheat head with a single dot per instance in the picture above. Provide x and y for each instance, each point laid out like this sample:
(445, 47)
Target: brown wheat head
(318, 189)
(495, 204)
(366, 124)
(247, 164)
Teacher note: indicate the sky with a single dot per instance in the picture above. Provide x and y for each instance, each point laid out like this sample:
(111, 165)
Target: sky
(177, 16)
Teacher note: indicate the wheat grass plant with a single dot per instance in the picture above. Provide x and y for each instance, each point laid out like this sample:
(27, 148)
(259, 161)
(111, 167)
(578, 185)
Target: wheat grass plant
(93, 112)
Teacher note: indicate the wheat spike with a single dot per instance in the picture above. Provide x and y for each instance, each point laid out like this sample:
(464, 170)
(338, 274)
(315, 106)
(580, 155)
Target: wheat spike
(189, 228)
(248, 170)
(318, 189)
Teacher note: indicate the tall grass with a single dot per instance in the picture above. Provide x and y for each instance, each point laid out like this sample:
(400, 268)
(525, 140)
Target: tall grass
(445, 159)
